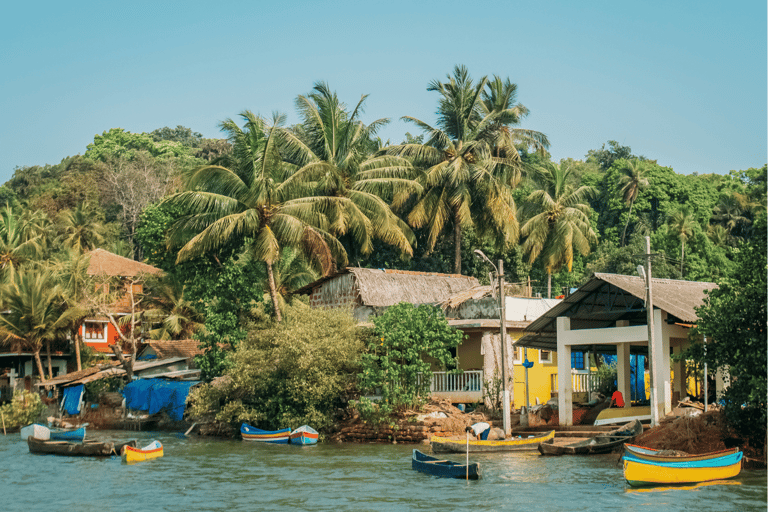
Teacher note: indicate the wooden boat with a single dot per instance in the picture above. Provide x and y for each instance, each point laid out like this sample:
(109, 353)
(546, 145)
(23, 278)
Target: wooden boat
(37, 431)
(444, 468)
(643, 453)
(68, 434)
(87, 449)
(304, 435)
(152, 451)
(250, 433)
(638, 472)
(446, 444)
(621, 415)
(604, 443)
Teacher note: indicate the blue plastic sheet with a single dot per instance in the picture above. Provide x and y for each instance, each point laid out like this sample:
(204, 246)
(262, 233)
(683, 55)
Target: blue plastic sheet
(72, 397)
(155, 395)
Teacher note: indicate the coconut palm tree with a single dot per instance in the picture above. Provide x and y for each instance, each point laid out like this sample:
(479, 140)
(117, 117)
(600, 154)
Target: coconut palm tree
(557, 221)
(80, 229)
(36, 313)
(470, 160)
(681, 224)
(17, 244)
(251, 201)
(333, 167)
(71, 270)
(169, 307)
(633, 180)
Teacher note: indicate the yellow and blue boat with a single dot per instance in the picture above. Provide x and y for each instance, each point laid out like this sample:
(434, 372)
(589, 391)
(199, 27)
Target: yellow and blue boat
(153, 450)
(644, 453)
(447, 444)
(639, 472)
(251, 433)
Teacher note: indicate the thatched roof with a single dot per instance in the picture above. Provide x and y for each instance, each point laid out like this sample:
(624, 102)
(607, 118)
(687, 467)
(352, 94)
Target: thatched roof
(175, 348)
(386, 287)
(474, 293)
(106, 263)
(606, 298)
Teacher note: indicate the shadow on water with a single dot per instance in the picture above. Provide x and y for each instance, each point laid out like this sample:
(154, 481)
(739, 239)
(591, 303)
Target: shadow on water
(210, 474)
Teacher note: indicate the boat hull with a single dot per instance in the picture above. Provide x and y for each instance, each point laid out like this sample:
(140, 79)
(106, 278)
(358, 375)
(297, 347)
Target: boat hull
(599, 444)
(614, 415)
(131, 454)
(643, 453)
(87, 449)
(40, 432)
(447, 445)
(640, 473)
(250, 433)
(423, 463)
(77, 434)
(304, 435)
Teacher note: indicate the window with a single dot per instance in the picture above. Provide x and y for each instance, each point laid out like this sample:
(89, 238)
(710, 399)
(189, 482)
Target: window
(518, 355)
(577, 360)
(94, 331)
(545, 356)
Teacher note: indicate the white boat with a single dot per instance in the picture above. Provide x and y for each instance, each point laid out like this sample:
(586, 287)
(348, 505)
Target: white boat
(37, 431)
(616, 415)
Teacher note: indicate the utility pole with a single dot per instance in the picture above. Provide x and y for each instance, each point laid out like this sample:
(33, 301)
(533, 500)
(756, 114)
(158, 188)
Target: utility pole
(503, 333)
(652, 356)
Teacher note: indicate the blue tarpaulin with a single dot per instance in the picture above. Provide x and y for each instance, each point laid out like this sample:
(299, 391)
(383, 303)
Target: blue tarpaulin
(72, 396)
(155, 395)
(636, 378)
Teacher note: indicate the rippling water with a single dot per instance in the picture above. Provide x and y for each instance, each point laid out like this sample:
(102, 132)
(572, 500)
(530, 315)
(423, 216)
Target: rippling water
(205, 474)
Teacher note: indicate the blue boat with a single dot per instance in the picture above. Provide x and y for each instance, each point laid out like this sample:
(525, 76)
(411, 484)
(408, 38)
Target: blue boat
(251, 433)
(67, 434)
(444, 468)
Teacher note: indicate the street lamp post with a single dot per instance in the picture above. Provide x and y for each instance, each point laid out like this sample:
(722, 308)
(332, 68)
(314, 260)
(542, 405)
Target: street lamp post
(503, 336)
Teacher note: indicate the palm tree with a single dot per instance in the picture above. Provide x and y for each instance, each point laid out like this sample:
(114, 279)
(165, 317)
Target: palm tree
(470, 160)
(681, 224)
(36, 313)
(80, 228)
(729, 212)
(251, 200)
(17, 244)
(71, 270)
(632, 182)
(718, 234)
(333, 167)
(557, 221)
(177, 316)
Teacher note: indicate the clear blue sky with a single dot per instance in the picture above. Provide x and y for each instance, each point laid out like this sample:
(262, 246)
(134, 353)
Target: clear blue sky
(680, 82)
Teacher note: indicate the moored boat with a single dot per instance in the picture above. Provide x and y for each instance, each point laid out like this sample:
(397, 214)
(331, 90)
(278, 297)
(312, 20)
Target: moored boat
(67, 434)
(644, 453)
(152, 451)
(251, 433)
(444, 468)
(604, 443)
(621, 415)
(304, 435)
(446, 444)
(37, 431)
(638, 472)
(87, 449)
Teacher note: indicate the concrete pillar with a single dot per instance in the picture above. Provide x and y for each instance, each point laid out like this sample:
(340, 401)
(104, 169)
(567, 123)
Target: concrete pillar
(662, 370)
(623, 373)
(564, 379)
(680, 382)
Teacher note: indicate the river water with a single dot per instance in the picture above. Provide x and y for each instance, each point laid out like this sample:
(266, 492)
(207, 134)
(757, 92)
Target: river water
(210, 475)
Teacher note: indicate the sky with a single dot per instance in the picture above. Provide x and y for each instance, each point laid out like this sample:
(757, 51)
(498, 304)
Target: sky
(683, 83)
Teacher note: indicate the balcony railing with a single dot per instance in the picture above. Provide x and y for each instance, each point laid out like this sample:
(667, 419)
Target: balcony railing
(581, 382)
(464, 387)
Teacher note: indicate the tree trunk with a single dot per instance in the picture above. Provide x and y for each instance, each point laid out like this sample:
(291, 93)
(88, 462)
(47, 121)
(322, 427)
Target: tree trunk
(127, 365)
(77, 350)
(273, 292)
(682, 258)
(456, 243)
(48, 353)
(623, 235)
(39, 364)
(549, 284)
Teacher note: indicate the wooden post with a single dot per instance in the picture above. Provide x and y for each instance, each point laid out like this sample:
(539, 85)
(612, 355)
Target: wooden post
(5, 434)
(467, 454)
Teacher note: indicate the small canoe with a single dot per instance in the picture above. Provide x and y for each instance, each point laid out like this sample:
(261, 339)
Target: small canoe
(152, 451)
(68, 434)
(643, 453)
(446, 444)
(86, 449)
(621, 415)
(605, 443)
(304, 435)
(37, 431)
(639, 472)
(444, 468)
(250, 433)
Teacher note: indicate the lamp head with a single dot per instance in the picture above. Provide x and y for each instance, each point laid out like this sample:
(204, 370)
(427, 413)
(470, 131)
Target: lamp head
(641, 272)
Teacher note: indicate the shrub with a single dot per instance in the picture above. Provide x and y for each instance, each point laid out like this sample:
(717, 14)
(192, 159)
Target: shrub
(23, 409)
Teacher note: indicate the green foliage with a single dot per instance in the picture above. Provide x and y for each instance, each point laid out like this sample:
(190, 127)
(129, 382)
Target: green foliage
(733, 321)
(286, 374)
(180, 134)
(606, 379)
(23, 409)
(407, 342)
(93, 390)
